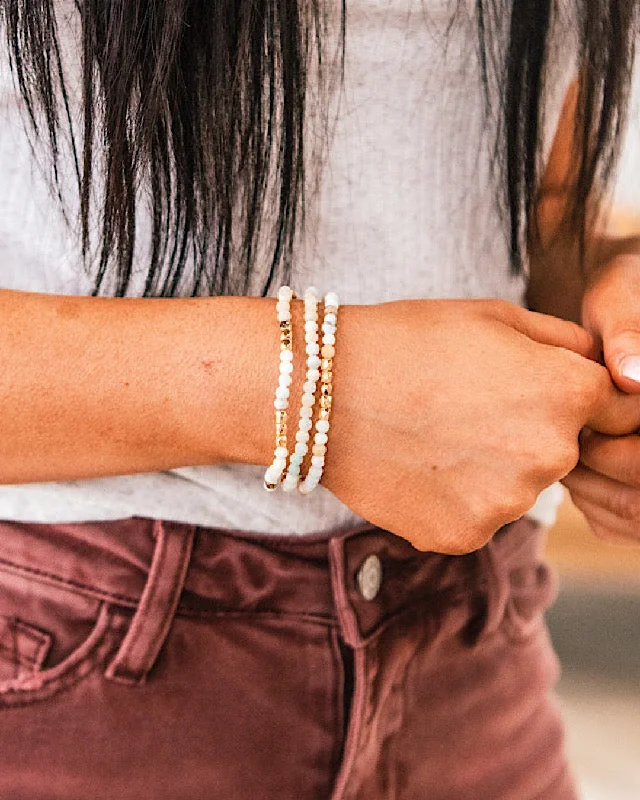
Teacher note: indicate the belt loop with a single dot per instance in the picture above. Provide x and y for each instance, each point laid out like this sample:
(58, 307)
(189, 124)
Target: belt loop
(154, 614)
(498, 586)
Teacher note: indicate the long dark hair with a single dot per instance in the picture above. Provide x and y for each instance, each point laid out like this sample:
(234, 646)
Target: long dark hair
(198, 108)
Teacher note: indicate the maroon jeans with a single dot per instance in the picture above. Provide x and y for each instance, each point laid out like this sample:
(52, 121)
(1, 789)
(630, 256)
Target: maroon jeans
(151, 660)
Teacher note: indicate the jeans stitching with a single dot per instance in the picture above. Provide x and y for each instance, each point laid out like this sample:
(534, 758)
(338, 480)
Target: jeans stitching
(83, 588)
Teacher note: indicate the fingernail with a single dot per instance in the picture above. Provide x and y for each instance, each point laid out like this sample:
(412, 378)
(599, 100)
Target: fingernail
(630, 368)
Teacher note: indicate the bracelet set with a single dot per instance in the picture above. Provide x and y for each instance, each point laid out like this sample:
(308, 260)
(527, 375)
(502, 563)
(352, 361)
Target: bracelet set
(319, 370)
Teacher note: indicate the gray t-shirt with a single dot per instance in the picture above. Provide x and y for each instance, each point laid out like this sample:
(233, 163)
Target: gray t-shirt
(406, 209)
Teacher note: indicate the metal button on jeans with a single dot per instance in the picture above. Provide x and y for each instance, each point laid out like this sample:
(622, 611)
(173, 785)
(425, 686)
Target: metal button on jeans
(370, 577)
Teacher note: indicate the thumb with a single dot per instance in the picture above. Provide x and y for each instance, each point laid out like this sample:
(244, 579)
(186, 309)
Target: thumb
(611, 312)
(622, 356)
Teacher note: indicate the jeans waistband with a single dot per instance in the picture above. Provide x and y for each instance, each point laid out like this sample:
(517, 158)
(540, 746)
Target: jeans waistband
(230, 571)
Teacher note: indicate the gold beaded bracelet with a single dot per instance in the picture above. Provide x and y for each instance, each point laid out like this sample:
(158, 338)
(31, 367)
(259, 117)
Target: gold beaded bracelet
(327, 352)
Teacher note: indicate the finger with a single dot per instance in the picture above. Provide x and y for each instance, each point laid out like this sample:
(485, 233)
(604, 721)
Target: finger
(611, 311)
(605, 525)
(617, 498)
(546, 329)
(612, 411)
(615, 457)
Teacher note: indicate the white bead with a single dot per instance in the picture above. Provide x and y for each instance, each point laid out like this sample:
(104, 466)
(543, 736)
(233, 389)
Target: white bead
(286, 367)
(294, 469)
(281, 452)
(297, 458)
(308, 400)
(311, 338)
(285, 293)
(302, 436)
(282, 392)
(329, 338)
(284, 316)
(286, 355)
(289, 485)
(321, 438)
(310, 326)
(306, 424)
(327, 328)
(279, 463)
(306, 411)
(272, 475)
(313, 362)
(280, 405)
(322, 426)
(313, 374)
(330, 319)
(331, 299)
(284, 380)
(313, 349)
(301, 448)
(309, 387)
(317, 460)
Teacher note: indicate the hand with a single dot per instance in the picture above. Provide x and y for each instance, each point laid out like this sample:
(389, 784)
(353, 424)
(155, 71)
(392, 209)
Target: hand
(449, 417)
(605, 486)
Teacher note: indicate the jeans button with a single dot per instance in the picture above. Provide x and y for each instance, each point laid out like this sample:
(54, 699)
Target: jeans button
(370, 577)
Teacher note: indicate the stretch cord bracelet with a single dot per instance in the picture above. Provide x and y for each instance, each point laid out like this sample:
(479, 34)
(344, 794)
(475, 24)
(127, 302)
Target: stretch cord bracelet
(327, 353)
(273, 475)
(309, 389)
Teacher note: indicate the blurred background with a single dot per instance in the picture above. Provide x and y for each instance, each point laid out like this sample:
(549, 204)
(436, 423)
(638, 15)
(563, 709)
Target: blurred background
(595, 623)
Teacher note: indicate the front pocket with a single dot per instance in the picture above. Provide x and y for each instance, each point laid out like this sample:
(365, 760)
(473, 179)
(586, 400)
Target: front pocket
(51, 637)
(23, 648)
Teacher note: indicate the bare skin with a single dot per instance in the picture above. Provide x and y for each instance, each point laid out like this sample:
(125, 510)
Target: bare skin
(604, 296)
(121, 386)
(449, 416)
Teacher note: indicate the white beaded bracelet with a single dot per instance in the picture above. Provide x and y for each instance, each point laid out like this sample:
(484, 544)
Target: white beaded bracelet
(312, 479)
(309, 389)
(273, 474)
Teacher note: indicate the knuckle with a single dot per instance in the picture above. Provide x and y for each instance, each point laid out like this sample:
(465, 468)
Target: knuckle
(510, 507)
(502, 309)
(556, 461)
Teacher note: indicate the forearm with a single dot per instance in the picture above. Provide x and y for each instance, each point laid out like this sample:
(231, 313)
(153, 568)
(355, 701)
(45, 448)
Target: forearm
(103, 386)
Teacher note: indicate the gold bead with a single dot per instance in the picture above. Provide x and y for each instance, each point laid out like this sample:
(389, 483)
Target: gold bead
(326, 388)
(324, 413)
(328, 351)
(325, 402)
(326, 365)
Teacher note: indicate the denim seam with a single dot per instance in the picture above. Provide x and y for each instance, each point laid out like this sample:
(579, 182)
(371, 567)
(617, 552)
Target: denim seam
(66, 582)
(50, 683)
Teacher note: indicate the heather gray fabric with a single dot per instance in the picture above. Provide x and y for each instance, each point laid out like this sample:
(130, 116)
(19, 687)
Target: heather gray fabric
(406, 209)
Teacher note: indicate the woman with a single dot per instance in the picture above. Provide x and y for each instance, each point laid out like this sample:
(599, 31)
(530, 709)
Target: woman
(170, 629)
